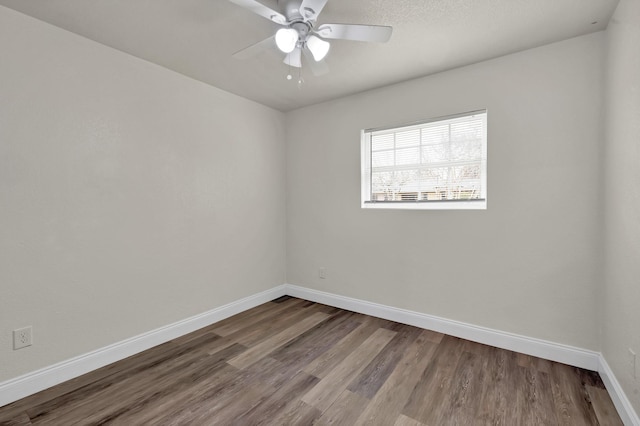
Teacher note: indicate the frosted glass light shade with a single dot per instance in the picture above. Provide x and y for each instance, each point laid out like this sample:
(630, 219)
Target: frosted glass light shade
(318, 47)
(286, 39)
(294, 58)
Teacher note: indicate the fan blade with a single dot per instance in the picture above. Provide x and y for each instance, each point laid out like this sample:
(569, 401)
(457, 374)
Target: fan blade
(254, 49)
(355, 32)
(317, 68)
(262, 10)
(294, 58)
(310, 9)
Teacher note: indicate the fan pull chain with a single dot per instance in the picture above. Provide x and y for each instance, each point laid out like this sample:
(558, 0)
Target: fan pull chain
(300, 79)
(289, 76)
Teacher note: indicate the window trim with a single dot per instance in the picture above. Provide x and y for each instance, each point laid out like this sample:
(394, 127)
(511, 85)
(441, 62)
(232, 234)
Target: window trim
(366, 170)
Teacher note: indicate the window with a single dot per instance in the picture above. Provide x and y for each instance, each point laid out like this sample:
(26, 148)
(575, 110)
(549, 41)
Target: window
(437, 164)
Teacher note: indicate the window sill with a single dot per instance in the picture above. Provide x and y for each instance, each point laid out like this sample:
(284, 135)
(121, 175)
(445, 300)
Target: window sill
(432, 205)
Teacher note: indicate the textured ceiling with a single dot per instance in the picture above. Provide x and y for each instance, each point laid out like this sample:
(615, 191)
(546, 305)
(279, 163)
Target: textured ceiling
(198, 37)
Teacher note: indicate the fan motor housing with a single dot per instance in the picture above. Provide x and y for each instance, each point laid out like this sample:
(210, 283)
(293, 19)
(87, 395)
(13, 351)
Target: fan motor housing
(303, 29)
(291, 9)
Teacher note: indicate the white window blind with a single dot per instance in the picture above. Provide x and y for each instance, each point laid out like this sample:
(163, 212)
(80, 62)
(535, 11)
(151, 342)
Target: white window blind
(440, 163)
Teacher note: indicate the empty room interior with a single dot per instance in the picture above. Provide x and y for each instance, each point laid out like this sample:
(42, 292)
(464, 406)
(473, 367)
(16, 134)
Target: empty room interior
(201, 226)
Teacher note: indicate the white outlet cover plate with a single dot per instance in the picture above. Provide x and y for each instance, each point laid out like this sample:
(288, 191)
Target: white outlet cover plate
(22, 337)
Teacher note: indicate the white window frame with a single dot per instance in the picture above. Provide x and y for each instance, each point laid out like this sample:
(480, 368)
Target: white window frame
(366, 170)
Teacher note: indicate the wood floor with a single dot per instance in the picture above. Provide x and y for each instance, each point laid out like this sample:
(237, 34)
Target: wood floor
(295, 362)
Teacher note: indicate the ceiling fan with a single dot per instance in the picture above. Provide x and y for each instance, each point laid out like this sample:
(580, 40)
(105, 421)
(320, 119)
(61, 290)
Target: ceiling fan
(299, 35)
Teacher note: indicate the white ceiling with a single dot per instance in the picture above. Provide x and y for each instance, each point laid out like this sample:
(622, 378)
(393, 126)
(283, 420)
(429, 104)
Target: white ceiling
(197, 38)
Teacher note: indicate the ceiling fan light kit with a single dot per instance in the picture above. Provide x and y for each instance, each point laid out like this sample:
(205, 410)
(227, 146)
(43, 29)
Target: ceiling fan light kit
(294, 58)
(298, 36)
(318, 47)
(286, 39)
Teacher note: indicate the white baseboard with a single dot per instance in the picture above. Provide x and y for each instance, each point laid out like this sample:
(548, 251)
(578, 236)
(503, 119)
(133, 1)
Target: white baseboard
(28, 384)
(565, 354)
(527, 345)
(620, 400)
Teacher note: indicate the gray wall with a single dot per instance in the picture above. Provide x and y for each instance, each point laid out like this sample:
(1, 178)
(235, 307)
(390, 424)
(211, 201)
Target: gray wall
(131, 197)
(621, 307)
(530, 263)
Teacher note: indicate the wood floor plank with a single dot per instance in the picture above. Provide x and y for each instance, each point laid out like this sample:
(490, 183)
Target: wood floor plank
(19, 420)
(498, 397)
(524, 360)
(170, 381)
(115, 371)
(201, 400)
(296, 355)
(462, 402)
(331, 386)
(429, 397)
(345, 410)
(303, 363)
(603, 406)
(228, 409)
(308, 346)
(571, 399)
(178, 403)
(266, 324)
(266, 347)
(535, 403)
(388, 402)
(264, 330)
(298, 413)
(542, 365)
(376, 373)
(589, 378)
(433, 336)
(323, 365)
(101, 390)
(258, 314)
(271, 372)
(13, 411)
(127, 396)
(280, 400)
(230, 402)
(407, 421)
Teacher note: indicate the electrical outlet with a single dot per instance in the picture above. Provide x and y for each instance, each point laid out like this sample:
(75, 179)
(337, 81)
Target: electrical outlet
(633, 364)
(22, 338)
(322, 273)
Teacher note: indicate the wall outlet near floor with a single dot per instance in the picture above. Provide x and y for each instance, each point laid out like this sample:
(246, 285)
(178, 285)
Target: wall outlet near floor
(633, 364)
(322, 273)
(22, 337)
